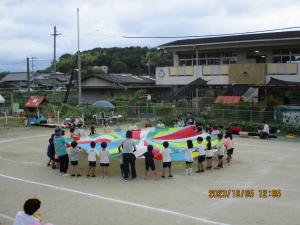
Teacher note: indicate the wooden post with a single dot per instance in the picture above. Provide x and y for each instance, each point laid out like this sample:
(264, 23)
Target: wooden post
(12, 102)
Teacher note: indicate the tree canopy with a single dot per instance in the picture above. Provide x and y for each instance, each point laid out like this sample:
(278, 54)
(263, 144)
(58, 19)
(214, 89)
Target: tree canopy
(133, 60)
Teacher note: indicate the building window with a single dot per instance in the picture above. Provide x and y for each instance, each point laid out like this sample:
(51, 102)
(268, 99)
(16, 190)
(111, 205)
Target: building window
(187, 58)
(286, 56)
(217, 58)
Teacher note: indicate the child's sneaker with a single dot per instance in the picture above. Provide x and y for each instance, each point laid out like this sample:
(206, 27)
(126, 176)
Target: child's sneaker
(73, 175)
(78, 175)
(65, 175)
(170, 176)
(163, 176)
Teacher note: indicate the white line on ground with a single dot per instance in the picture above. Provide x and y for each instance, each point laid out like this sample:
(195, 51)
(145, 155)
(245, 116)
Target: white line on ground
(22, 162)
(156, 209)
(22, 138)
(6, 217)
(268, 146)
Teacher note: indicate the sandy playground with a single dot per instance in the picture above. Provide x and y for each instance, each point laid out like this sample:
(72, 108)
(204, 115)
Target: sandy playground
(257, 164)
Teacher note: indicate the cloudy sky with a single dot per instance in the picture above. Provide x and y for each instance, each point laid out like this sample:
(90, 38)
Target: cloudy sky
(26, 25)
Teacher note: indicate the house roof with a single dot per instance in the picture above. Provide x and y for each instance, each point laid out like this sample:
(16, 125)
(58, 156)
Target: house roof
(35, 101)
(228, 99)
(18, 76)
(51, 82)
(287, 35)
(277, 82)
(124, 79)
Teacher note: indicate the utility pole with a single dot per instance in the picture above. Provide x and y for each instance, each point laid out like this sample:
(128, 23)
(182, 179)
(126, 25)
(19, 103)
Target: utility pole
(28, 78)
(32, 70)
(78, 61)
(54, 46)
(149, 62)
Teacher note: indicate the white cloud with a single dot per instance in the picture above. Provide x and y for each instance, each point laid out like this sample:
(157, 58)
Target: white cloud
(25, 25)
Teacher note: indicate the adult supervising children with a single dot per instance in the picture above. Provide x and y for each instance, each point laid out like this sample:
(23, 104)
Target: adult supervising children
(61, 151)
(128, 148)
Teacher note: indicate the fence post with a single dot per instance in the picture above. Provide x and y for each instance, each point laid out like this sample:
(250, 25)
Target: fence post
(5, 118)
(223, 114)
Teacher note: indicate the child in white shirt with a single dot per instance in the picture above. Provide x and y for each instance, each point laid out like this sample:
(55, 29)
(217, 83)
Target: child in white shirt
(74, 155)
(220, 147)
(31, 214)
(92, 158)
(166, 158)
(209, 153)
(201, 157)
(189, 157)
(104, 160)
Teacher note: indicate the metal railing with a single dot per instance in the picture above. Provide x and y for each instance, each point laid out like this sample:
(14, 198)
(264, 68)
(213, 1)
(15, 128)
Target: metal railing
(206, 112)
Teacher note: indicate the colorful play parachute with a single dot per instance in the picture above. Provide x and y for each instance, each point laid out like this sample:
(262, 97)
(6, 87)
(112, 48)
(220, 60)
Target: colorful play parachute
(176, 137)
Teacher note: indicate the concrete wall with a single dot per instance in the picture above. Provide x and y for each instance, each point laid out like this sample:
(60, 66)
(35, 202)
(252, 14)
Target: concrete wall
(95, 82)
(293, 78)
(247, 73)
(163, 77)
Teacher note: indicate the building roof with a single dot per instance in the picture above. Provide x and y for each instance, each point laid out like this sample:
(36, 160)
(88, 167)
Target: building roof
(287, 35)
(51, 82)
(35, 101)
(124, 79)
(277, 82)
(17, 76)
(228, 99)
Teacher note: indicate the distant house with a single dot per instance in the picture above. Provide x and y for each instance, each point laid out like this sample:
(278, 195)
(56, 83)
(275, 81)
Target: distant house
(16, 80)
(97, 87)
(50, 81)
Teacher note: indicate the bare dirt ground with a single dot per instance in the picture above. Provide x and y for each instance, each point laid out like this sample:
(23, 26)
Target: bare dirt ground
(257, 164)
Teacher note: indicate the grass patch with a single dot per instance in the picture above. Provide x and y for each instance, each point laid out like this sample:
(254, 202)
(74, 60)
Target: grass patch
(11, 122)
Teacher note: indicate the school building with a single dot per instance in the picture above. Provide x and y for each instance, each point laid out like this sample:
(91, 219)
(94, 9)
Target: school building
(250, 65)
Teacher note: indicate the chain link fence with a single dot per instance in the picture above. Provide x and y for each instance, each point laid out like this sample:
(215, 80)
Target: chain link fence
(206, 112)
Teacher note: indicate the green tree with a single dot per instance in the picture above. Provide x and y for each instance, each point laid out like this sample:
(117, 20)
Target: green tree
(118, 66)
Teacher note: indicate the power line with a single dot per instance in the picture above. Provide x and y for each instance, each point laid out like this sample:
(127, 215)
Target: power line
(184, 36)
(211, 35)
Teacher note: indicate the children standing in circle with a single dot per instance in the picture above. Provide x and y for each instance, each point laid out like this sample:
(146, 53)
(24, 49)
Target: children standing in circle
(166, 158)
(220, 147)
(201, 157)
(74, 155)
(209, 153)
(229, 147)
(149, 162)
(104, 160)
(92, 160)
(189, 157)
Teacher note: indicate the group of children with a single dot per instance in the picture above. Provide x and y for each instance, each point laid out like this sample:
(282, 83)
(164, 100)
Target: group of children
(205, 153)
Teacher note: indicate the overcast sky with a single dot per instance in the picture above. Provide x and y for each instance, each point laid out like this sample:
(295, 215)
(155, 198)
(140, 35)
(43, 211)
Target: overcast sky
(26, 25)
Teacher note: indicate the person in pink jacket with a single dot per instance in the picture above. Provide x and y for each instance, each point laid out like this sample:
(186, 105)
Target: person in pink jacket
(229, 147)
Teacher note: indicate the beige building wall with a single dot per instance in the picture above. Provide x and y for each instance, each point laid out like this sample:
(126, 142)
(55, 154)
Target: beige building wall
(95, 82)
(247, 73)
